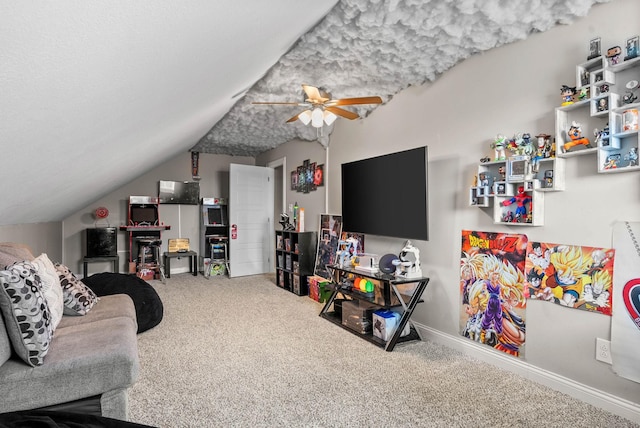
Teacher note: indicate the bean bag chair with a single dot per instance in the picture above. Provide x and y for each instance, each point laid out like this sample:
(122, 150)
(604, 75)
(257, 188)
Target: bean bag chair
(149, 309)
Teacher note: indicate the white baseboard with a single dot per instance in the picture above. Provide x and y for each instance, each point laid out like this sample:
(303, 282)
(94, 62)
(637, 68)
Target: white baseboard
(595, 397)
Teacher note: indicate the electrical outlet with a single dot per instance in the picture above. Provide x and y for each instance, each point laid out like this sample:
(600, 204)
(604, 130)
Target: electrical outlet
(603, 351)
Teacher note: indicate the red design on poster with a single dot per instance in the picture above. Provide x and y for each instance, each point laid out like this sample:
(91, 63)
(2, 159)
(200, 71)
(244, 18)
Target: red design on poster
(631, 297)
(492, 289)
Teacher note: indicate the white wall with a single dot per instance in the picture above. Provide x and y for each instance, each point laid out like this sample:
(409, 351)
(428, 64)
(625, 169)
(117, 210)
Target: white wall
(183, 219)
(295, 153)
(507, 90)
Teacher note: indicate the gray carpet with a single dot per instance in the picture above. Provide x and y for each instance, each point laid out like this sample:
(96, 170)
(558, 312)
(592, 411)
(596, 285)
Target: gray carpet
(245, 353)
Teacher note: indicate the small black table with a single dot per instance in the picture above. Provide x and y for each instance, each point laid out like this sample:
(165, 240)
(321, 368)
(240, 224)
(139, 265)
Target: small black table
(193, 261)
(87, 260)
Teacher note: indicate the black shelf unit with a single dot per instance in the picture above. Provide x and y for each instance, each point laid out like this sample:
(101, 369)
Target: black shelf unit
(387, 297)
(295, 257)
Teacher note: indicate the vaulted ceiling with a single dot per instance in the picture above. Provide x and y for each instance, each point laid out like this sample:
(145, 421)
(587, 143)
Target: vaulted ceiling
(94, 94)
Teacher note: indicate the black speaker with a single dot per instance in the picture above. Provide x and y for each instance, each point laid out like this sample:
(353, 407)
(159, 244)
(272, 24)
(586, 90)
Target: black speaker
(102, 242)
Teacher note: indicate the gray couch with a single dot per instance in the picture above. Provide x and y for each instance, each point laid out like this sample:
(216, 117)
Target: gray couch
(91, 362)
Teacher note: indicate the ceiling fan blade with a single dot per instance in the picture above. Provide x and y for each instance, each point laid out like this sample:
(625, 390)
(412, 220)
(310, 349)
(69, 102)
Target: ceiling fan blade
(354, 101)
(342, 112)
(293, 119)
(278, 103)
(313, 94)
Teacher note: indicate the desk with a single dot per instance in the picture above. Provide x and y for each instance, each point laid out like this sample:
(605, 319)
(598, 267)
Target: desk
(193, 262)
(87, 260)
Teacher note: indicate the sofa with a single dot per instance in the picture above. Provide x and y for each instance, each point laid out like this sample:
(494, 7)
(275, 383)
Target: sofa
(62, 347)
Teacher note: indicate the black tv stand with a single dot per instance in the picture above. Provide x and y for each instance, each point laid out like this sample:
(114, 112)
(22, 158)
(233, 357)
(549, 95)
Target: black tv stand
(387, 296)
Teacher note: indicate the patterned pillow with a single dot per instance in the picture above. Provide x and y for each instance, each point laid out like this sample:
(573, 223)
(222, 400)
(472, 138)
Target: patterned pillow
(25, 312)
(51, 287)
(78, 298)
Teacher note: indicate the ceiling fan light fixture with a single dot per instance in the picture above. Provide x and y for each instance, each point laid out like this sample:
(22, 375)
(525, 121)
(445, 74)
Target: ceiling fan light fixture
(329, 117)
(305, 117)
(317, 117)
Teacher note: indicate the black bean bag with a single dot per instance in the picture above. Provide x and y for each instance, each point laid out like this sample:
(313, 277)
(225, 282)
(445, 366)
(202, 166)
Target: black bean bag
(148, 305)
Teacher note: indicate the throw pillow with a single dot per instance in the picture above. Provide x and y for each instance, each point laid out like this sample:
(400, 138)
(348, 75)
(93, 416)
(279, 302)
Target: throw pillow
(78, 298)
(51, 287)
(11, 252)
(25, 312)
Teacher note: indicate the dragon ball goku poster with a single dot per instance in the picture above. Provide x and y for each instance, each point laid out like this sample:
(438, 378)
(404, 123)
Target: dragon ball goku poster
(492, 289)
(571, 276)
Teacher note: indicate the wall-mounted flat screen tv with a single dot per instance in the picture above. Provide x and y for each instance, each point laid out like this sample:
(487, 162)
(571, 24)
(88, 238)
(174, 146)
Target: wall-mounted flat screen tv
(179, 192)
(387, 195)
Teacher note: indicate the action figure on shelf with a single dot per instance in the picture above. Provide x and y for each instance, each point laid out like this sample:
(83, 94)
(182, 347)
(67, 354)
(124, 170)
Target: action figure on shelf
(575, 134)
(498, 145)
(520, 199)
(613, 54)
(284, 221)
(584, 93)
(603, 105)
(632, 156)
(567, 93)
(612, 161)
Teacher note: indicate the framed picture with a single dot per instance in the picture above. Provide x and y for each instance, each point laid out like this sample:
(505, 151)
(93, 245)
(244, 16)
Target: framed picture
(318, 176)
(631, 48)
(594, 48)
(294, 180)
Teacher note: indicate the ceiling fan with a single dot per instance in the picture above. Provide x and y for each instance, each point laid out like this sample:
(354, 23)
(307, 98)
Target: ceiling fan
(322, 109)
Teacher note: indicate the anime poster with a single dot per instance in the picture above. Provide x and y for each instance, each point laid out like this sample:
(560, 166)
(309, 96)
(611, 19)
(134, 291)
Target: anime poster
(570, 275)
(328, 239)
(492, 290)
(625, 322)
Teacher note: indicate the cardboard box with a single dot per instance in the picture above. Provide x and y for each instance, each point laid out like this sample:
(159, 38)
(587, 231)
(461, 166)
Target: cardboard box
(317, 288)
(384, 323)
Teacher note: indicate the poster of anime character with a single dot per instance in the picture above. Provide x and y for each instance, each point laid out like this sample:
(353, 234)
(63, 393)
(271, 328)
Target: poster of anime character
(492, 282)
(570, 275)
(625, 323)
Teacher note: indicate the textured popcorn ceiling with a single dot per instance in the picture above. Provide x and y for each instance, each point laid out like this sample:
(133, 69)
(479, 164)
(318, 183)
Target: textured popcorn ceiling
(366, 47)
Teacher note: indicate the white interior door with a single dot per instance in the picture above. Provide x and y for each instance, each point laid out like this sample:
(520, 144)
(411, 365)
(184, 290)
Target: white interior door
(250, 217)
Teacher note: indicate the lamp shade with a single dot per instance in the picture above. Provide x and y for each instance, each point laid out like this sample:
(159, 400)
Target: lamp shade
(317, 117)
(305, 117)
(329, 117)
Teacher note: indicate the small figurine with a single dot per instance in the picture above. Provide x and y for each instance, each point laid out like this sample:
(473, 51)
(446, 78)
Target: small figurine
(484, 183)
(603, 105)
(613, 54)
(632, 156)
(604, 88)
(520, 199)
(594, 48)
(503, 173)
(632, 48)
(575, 134)
(612, 161)
(629, 97)
(548, 178)
(498, 145)
(507, 217)
(567, 93)
(601, 137)
(584, 93)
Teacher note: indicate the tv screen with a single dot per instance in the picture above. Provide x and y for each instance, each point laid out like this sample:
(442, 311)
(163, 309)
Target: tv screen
(387, 195)
(144, 215)
(179, 192)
